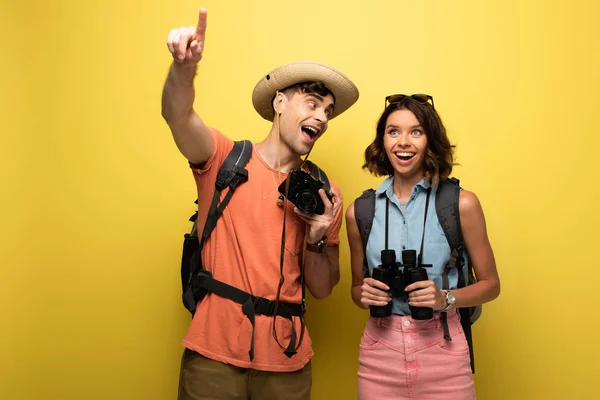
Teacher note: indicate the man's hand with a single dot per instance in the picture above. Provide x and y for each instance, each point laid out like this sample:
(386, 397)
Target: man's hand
(187, 44)
(319, 224)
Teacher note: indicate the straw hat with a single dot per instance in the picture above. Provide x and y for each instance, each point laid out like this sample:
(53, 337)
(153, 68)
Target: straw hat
(344, 91)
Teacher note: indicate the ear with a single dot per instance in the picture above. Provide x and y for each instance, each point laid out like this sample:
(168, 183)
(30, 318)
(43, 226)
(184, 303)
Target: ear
(279, 102)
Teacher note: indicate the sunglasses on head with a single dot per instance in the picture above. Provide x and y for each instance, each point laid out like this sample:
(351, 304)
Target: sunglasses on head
(420, 97)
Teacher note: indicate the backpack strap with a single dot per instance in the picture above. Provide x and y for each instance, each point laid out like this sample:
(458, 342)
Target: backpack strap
(194, 219)
(232, 174)
(446, 206)
(319, 174)
(364, 213)
(448, 214)
(251, 306)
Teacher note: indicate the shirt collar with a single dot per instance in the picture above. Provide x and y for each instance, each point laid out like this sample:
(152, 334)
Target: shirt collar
(387, 187)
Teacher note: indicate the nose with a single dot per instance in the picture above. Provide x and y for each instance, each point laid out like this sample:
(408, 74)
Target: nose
(321, 115)
(403, 140)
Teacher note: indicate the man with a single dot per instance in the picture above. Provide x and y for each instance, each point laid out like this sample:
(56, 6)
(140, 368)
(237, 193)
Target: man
(232, 352)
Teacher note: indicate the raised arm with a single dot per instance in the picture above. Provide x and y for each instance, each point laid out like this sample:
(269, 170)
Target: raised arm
(191, 135)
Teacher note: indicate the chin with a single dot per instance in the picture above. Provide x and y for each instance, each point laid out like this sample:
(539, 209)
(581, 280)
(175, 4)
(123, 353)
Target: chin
(302, 149)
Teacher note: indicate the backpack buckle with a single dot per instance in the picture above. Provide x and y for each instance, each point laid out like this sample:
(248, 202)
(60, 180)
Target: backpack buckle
(263, 306)
(240, 176)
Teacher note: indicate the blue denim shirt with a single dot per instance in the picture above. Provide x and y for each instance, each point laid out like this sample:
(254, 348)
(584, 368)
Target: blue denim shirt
(405, 231)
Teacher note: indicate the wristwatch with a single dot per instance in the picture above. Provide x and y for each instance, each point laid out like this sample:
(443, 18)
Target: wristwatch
(450, 300)
(318, 247)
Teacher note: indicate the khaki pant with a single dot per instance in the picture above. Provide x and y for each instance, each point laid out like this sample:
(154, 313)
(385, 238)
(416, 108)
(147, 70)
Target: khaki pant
(202, 379)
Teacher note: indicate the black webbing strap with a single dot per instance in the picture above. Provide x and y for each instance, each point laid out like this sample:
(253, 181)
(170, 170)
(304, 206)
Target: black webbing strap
(420, 256)
(456, 261)
(251, 305)
(232, 174)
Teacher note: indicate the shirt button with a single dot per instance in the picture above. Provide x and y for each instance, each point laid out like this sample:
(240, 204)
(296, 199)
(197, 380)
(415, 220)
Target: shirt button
(406, 323)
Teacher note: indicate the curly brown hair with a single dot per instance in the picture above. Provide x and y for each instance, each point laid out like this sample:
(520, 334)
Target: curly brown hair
(439, 156)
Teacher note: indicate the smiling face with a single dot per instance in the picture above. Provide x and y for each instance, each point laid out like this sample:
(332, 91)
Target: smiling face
(410, 138)
(304, 116)
(405, 144)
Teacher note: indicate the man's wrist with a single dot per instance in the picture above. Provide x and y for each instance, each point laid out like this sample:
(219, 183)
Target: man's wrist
(319, 247)
(315, 236)
(186, 70)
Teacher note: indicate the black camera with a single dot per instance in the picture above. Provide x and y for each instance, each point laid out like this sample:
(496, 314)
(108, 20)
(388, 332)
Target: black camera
(303, 192)
(397, 276)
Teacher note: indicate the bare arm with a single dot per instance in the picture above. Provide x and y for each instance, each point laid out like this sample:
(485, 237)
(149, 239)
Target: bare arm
(192, 136)
(365, 292)
(356, 256)
(322, 271)
(481, 256)
(480, 252)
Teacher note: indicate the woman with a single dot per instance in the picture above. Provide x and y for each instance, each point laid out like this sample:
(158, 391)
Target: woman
(408, 355)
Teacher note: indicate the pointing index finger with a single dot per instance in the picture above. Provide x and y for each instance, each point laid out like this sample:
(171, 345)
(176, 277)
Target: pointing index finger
(201, 27)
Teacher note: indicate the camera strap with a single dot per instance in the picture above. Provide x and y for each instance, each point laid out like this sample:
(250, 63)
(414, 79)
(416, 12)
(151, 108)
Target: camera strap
(292, 348)
(420, 257)
(387, 217)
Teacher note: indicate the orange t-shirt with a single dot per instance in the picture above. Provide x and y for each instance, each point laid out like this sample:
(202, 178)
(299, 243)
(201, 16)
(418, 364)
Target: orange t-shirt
(244, 251)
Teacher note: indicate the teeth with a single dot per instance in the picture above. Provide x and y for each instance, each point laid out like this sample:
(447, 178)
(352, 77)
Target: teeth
(405, 154)
(312, 131)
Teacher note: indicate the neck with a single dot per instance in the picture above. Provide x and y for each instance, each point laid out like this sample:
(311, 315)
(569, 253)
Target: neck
(267, 149)
(403, 185)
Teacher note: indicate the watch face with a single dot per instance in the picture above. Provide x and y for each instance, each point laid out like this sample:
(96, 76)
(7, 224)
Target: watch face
(451, 299)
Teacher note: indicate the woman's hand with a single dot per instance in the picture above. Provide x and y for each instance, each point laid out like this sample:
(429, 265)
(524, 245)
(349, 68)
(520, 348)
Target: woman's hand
(374, 293)
(426, 294)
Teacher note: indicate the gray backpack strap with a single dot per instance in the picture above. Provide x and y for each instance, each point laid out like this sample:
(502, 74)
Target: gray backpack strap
(319, 174)
(364, 213)
(446, 205)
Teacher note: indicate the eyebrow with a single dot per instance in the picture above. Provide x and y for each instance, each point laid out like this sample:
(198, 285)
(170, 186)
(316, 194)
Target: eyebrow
(412, 127)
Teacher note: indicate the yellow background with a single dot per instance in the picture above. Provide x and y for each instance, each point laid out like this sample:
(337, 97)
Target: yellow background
(95, 197)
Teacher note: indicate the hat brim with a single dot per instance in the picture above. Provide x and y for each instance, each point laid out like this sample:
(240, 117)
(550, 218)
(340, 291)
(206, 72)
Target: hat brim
(344, 91)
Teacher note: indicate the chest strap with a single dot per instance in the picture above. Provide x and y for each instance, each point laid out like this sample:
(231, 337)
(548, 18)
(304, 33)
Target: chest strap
(251, 306)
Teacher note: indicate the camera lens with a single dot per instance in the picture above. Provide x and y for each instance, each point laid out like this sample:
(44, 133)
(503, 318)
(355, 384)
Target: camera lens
(306, 201)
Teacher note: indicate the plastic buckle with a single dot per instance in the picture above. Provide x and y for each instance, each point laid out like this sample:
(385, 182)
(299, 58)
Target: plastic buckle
(263, 306)
(220, 183)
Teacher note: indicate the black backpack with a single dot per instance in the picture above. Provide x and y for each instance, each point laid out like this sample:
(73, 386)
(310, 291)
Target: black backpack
(232, 174)
(446, 206)
(196, 282)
